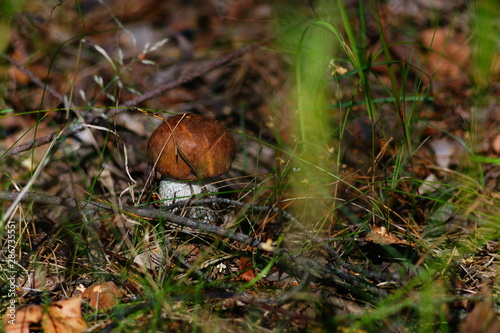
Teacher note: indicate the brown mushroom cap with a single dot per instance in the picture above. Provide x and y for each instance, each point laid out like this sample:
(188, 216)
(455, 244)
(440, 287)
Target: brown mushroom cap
(191, 146)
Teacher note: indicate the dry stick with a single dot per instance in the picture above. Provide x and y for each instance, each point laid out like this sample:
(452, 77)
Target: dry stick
(213, 65)
(130, 103)
(296, 265)
(38, 142)
(33, 144)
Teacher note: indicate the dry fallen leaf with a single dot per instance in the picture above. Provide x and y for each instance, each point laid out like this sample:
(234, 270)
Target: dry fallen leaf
(60, 317)
(103, 295)
(448, 58)
(64, 317)
(20, 321)
(246, 267)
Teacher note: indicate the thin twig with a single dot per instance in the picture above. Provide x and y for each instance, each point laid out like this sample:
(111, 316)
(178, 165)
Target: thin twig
(38, 142)
(27, 146)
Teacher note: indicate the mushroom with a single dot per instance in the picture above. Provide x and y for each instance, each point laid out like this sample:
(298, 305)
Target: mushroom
(187, 149)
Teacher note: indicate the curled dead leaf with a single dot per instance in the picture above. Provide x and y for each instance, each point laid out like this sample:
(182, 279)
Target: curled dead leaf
(380, 235)
(64, 317)
(103, 295)
(248, 273)
(268, 245)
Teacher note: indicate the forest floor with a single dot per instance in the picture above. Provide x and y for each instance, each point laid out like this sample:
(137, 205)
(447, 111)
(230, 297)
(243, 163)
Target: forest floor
(364, 195)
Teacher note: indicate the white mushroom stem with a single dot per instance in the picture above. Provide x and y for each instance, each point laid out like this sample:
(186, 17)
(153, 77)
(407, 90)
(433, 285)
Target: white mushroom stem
(171, 191)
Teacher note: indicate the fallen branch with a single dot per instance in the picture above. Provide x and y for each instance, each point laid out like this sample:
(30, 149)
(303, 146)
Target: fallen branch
(183, 80)
(38, 142)
(318, 241)
(294, 265)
